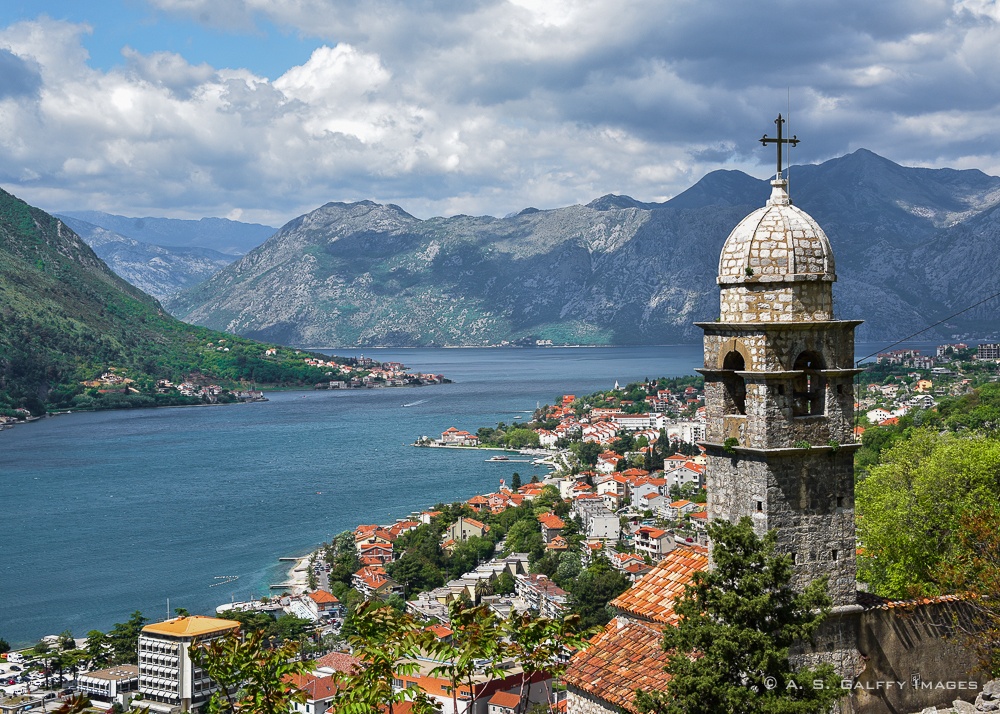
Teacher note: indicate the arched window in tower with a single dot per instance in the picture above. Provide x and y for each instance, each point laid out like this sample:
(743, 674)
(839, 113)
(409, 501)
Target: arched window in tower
(736, 388)
(809, 391)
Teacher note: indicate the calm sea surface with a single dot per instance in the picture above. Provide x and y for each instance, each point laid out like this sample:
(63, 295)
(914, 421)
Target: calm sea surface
(102, 514)
(106, 513)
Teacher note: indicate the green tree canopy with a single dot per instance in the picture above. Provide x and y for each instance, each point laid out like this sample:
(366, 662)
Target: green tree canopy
(387, 642)
(525, 536)
(521, 438)
(909, 508)
(586, 451)
(123, 639)
(251, 675)
(593, 589)
(98, 649)
(975, 569)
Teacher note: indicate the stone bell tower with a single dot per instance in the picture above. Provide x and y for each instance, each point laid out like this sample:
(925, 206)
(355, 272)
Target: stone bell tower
(778, 390)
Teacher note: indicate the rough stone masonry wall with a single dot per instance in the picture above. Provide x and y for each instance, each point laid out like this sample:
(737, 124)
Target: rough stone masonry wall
(770, 420)
(580, 702)
(808, 496)
(906, 659)
(776, 302)
(774, 349)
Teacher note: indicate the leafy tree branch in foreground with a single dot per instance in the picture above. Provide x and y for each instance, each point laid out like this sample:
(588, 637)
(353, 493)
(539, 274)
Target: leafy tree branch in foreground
(252, 676)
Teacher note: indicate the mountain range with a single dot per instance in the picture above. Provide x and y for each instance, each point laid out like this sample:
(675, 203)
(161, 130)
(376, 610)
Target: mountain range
(157, 270)
(912, 246)
(218, 234)
(66, 318)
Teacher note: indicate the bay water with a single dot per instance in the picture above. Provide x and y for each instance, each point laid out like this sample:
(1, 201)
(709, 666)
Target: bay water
(105, 513)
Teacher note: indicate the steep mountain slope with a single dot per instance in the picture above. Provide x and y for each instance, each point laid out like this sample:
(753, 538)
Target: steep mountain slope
(219, 234)
(962, 264)
(615, 271)
(66, 317)
(156, 270)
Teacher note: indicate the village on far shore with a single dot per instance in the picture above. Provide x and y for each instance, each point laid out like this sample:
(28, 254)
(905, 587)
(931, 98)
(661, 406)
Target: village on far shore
(115, 383)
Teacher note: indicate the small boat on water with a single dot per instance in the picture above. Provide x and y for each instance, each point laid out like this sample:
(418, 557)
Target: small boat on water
(498, 458)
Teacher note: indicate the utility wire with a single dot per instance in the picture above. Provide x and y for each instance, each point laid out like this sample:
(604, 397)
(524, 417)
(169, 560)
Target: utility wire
(857, 377)
(929, 327)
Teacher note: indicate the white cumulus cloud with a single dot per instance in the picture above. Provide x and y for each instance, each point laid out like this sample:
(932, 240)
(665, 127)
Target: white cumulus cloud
(488, 106)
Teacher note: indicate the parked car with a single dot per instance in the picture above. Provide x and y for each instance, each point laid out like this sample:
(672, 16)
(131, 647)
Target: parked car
(15, 668)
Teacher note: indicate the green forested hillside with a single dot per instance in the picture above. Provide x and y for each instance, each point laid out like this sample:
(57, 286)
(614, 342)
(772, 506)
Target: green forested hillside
(66, 318)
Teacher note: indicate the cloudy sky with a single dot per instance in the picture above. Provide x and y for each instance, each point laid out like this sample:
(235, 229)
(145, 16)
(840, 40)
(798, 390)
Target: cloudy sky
(261, 110)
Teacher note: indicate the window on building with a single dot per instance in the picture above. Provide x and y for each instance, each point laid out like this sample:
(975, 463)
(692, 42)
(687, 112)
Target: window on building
(809, 391)
(735, 386)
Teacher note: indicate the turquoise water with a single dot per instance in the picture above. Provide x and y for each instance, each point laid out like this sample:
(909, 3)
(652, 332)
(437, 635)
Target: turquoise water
(106, 513)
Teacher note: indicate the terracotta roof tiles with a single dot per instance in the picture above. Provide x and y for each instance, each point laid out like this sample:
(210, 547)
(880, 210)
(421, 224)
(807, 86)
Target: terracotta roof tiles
(624, 657)
(322, 596)
(339, 661)
(316, 688)
(870, 601)
(551, 520)
(652, 598)
(507, 700)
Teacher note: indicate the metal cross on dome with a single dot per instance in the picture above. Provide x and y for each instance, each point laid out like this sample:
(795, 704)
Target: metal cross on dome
(765, 140)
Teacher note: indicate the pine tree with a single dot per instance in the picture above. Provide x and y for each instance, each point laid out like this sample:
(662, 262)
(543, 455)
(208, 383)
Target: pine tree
(729, 652)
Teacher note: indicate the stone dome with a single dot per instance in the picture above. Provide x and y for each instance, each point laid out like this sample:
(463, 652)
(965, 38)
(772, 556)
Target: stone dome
(777, 243)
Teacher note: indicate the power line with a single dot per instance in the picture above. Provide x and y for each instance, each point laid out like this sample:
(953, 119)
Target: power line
(857, 377)
(929, 327)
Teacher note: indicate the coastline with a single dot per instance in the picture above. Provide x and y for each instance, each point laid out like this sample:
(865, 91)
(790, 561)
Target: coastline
(321, 438)
(66, 412)
(297, 577)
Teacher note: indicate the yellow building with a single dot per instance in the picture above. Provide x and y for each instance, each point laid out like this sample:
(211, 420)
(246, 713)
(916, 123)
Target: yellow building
(168, 680)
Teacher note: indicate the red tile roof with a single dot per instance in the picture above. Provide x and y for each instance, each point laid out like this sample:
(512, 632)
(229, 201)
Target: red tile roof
(624, 657)
(651, 532)
(652, 598)
(339, 661)
(314, 687)
(507, 700)
(551, 520)
(440, 631)
(558, 543)
(322, 596)
(870, 601)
